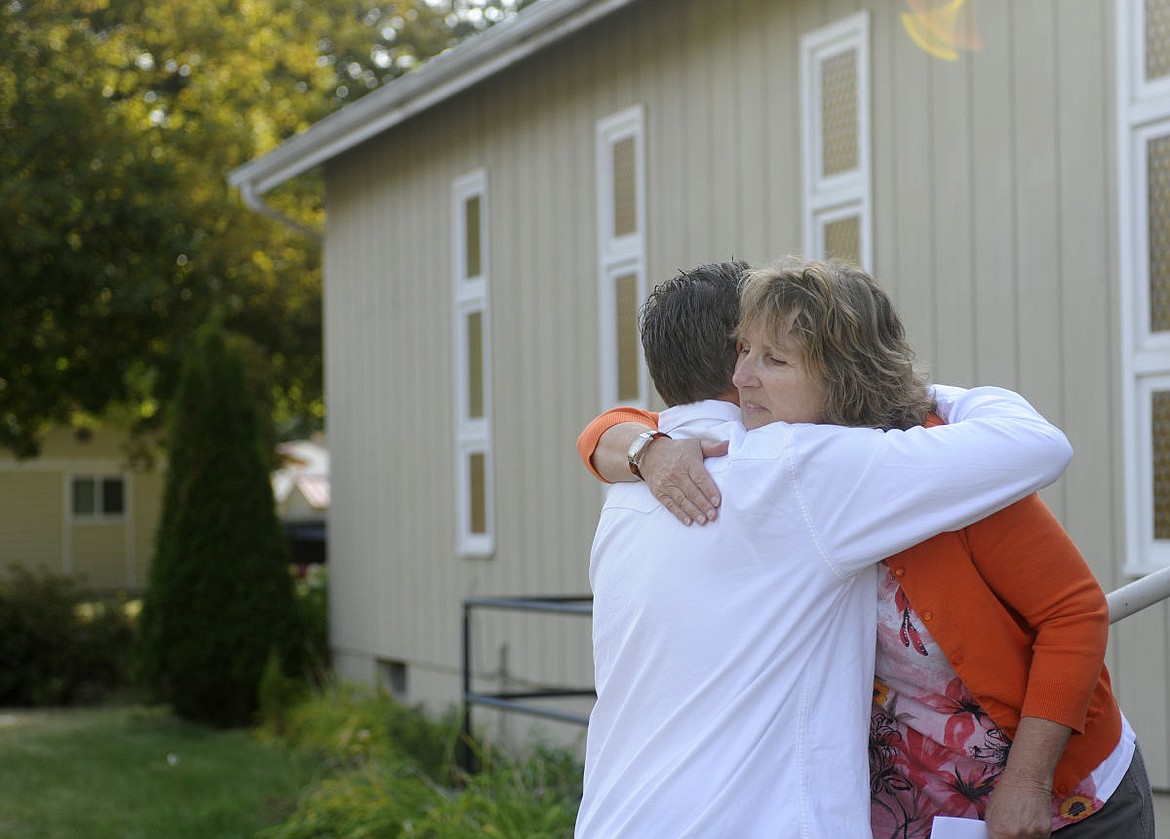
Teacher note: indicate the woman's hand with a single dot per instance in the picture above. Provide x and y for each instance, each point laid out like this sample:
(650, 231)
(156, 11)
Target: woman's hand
(1017, 811)
(1020, 806)
(674, 471)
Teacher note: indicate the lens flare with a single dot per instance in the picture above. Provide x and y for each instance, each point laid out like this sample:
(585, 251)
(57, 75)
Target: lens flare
(942, 29)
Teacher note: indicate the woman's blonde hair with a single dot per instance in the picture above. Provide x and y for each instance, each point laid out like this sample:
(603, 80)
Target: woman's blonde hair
(851, 335)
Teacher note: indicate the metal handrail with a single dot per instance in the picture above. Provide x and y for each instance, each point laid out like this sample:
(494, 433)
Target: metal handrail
(1139, 594)
(581, 605)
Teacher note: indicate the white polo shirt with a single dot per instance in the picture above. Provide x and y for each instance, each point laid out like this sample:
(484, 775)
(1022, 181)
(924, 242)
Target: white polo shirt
(734, 661)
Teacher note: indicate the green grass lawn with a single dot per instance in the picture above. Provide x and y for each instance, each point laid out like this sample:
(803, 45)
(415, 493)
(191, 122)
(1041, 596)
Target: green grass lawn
(138, 773)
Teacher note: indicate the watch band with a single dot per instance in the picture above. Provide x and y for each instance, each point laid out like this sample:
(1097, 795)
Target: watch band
(638, 450)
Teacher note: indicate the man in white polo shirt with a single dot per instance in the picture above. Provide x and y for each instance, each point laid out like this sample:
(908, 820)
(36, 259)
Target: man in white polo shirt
(734, 661)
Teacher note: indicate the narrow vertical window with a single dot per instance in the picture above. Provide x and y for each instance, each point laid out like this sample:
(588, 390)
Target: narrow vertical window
(839, 114)
(472, 373)
(472, 230)
(1143, 70)
(625, 189)
(1158, 227)
(1155, 39)
(628, 346)
(475, 392)
(1160, 462)
(841, 238)
(477, 494)
(836, 150)
(621, 260)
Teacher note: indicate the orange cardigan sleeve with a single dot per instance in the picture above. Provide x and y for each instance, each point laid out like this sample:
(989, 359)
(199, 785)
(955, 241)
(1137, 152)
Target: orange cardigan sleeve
(589, 438)
(1032, 566)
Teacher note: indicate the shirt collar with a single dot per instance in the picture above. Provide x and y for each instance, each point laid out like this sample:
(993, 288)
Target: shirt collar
(707, 410)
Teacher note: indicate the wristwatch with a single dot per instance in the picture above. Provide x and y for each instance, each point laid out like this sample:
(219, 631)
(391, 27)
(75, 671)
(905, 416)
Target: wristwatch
(638, 450)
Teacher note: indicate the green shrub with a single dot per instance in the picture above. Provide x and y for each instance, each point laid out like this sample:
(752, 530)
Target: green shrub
(106, 631)
(376, 801)
(312, 596)
(220, 597)
(58, 647)
(352, 725)
(533, 797)
(279, 695)
(395, 777)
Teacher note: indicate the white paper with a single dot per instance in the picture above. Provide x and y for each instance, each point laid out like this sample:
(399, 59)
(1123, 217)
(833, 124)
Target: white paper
(945, 827)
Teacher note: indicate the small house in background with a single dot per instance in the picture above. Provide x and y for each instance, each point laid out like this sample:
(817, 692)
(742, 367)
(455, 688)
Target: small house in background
(496, 217)
(87, 508)
(300, 486)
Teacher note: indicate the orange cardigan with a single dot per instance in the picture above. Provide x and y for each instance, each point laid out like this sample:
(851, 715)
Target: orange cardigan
(587, 441)
(1015, 608)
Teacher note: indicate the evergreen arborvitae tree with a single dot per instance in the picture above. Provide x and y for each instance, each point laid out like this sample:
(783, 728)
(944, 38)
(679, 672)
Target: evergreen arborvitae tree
(220, 598)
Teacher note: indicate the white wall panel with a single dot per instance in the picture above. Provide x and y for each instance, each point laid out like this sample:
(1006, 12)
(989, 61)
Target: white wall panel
(993, 216)
(909, 271)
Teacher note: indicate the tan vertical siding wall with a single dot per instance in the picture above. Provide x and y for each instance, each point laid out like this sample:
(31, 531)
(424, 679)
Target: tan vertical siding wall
(146, 497)
(32, 510)
(99, 554)
(994, 216)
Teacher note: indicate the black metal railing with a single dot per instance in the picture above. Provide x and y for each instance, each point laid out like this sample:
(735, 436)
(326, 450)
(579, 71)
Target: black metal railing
(521, 701)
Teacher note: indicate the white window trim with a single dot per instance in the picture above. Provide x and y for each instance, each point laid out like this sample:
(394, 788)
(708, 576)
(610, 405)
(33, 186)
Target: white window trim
(1138, 94)
(824, 217)
(470, 294)
(1143, 113)
(623, 254)
(847, 193)
(1142, 341)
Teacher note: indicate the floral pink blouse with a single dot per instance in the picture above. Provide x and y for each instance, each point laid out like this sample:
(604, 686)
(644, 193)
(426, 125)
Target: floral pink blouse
(932, 749)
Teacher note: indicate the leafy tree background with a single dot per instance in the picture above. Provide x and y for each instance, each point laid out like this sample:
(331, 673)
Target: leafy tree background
(119, 121)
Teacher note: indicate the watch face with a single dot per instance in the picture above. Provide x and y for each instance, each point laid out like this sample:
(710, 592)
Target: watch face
(635, 454)
(638, 449)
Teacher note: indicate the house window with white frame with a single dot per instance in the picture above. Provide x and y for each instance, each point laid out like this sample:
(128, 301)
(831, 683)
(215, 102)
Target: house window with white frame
(1143, 50)
(621, 224)
(835, 154)
(97, 497)
(472, 373)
